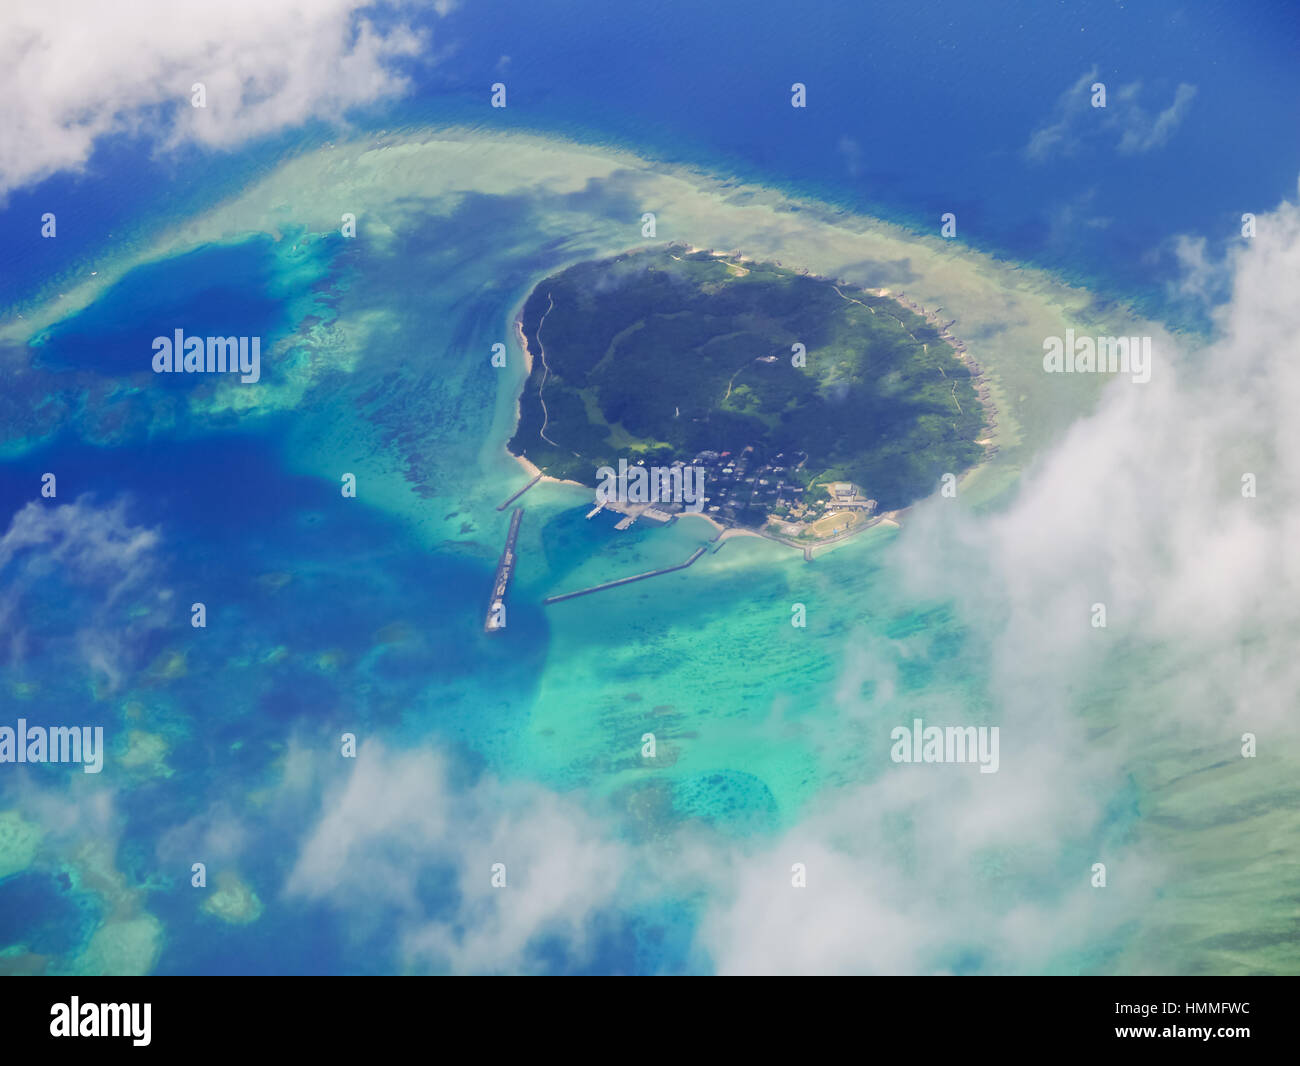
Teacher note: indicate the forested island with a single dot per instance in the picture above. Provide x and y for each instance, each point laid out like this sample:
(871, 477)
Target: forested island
(800, 397)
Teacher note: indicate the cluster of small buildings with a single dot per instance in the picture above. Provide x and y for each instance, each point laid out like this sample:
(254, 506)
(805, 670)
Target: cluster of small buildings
(739, 486)
(734, 483)
(739, 483)
(848, 497)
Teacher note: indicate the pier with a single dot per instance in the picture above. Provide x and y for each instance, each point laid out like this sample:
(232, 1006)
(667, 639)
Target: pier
(503, 506)
(495, 620)
(625, 580)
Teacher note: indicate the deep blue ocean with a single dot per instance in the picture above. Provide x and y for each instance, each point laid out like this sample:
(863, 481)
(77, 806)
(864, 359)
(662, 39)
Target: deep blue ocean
(913, 110)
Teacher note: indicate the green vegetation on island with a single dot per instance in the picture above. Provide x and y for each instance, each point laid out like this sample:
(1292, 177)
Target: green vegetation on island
(666, 355)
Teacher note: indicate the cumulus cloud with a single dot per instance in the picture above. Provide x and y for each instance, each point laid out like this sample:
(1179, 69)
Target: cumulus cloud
(1202, 279)
(934, 869)
(912, 876)
(1141, 507)
(1124, 123)
(75, 71)
(399, 814)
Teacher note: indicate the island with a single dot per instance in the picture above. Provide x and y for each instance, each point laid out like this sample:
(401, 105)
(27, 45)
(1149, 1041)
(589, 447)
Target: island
(806, 406)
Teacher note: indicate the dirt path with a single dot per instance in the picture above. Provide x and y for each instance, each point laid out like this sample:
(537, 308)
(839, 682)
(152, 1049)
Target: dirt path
(546, 371)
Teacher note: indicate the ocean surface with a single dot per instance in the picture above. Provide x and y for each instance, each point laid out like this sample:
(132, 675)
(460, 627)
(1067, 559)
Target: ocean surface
(915, 110)
(328, 615)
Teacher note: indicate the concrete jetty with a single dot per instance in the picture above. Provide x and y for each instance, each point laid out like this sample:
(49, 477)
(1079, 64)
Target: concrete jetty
(503, 506)
(625, 580)
(496, 612)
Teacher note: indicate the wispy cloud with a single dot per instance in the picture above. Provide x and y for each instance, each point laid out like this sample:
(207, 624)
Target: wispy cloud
(1123, 124)
(54, 551)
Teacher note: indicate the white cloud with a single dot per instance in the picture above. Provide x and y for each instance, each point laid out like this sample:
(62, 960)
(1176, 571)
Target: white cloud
(1075, 124)
(1141, 134)
(91, 544)
(1201, 279)
(1139, 506)
(397, 813)
(74, 71)
(99, 553)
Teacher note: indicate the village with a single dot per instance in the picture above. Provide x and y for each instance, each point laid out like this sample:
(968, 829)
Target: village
(742, 491)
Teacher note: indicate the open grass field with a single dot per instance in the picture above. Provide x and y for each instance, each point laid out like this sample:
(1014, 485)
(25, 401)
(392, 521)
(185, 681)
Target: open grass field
(839, 522)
